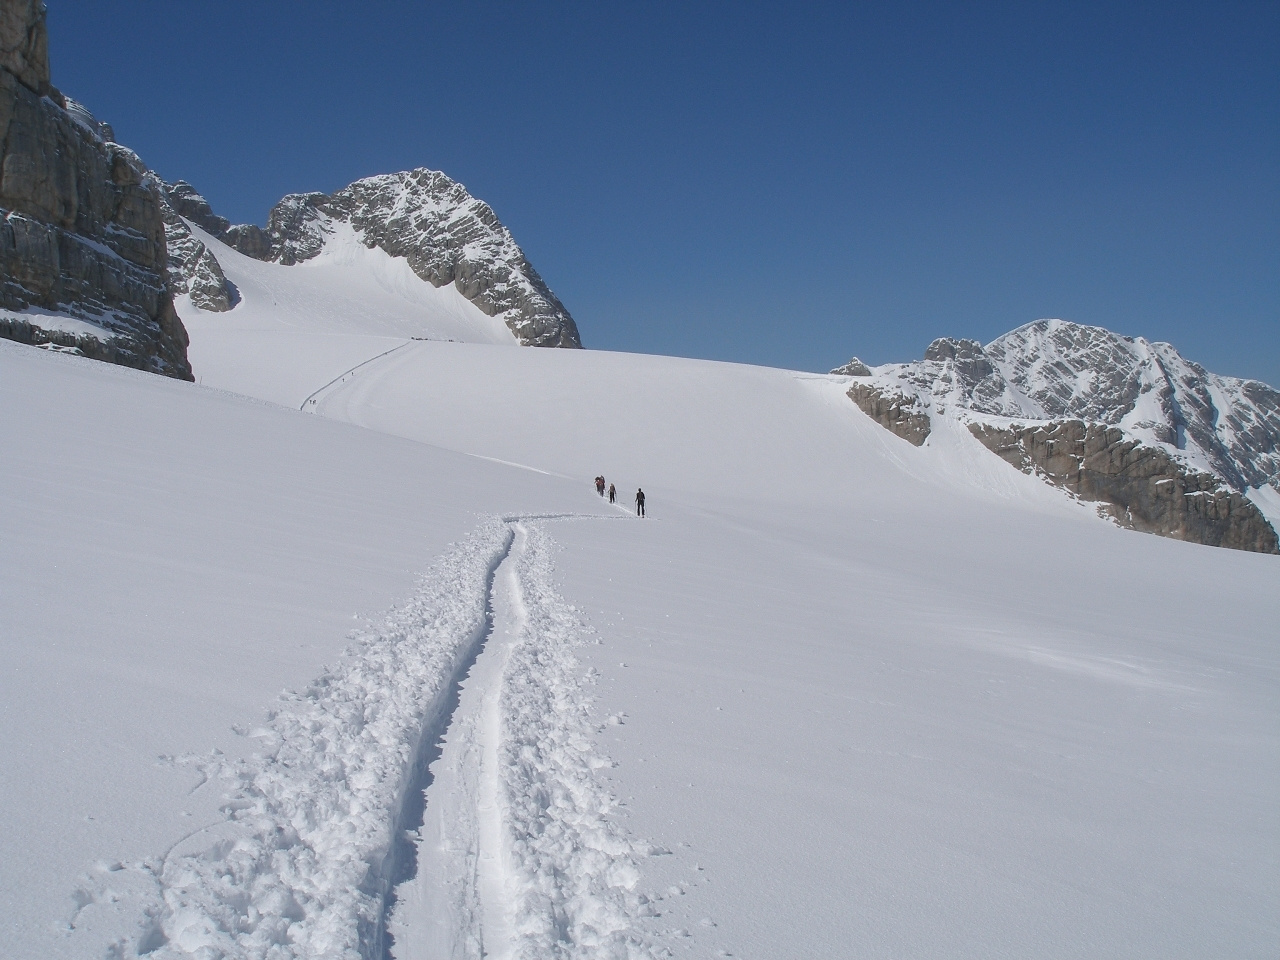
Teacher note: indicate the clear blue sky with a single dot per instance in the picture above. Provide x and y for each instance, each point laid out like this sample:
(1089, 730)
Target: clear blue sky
(784, 184)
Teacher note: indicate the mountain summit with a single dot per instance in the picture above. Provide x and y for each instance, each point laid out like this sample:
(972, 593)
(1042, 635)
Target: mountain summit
(1171, 448)
(444, 234)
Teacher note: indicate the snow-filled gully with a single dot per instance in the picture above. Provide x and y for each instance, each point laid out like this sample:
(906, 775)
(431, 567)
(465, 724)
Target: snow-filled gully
(470, 691)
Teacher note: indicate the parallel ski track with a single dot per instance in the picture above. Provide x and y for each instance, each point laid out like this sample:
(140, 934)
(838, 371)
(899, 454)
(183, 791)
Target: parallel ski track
(533, 865)
(314, 840)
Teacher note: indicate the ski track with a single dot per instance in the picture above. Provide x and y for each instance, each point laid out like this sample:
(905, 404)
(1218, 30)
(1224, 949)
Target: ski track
(318, 828)
(315, 396)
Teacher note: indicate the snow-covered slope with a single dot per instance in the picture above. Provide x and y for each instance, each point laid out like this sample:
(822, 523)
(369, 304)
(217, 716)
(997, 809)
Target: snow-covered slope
(172, 559)
(295, 328)
(851, 697)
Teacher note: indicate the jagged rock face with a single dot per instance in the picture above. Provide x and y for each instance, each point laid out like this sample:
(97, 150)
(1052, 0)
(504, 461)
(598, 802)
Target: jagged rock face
(445, 234)
(187, 202)
(1067, 369)
(1050, 370)
(81, 234)
(1142, 486)
(245, 237)
(193, 269)
(24, 43)
(896, 412)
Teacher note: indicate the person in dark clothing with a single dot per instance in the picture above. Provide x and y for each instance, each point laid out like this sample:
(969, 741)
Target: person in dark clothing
(639, 502)
(600, 485)
(613, 493)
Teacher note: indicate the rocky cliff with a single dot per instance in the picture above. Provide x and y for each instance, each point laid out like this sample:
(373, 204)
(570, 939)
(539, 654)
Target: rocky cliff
(1169, 447)
(1139, 485)
(445, 235)
(83, 254)
(193, 269)
(897, 412)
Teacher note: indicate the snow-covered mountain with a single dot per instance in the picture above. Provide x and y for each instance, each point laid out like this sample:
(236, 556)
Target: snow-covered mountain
(1169, 420)
(836, 695)
(444, 235)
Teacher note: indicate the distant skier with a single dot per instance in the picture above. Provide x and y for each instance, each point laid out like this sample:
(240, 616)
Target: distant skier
(639, 502)
(613, 493)
(600, 485)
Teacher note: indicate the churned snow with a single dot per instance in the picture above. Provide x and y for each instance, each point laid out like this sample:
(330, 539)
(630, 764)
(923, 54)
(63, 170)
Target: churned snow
(836, 696)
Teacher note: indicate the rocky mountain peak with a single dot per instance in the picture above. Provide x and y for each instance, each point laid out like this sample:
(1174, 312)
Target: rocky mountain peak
(1125, 390)
(854, 368)
(445, 234)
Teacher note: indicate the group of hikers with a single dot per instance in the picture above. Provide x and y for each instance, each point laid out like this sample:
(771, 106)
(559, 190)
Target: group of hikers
(613, 495)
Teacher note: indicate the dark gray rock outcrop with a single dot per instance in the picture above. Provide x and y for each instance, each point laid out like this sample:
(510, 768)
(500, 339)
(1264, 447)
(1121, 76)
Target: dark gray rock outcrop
(83, 256)
(1141, 486)
(24, 44)
(193, 269)
(897, 412)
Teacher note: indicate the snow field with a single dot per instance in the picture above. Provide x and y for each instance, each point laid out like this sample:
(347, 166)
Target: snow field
(304, 860)
(874, 700)
(325, 315)
(171, 558)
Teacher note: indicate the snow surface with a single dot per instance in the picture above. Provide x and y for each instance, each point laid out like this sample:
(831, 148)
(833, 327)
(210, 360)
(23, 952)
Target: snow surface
(836, 696)
(296, 328)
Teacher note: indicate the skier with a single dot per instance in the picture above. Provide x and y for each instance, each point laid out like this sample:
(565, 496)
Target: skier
(600, 485)
(613, 493)
(639, 502)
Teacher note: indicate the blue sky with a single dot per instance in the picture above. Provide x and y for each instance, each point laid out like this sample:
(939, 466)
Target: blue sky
(782, 184)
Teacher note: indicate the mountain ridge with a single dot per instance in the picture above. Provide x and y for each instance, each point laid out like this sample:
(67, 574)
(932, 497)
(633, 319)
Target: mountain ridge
(1044, 375)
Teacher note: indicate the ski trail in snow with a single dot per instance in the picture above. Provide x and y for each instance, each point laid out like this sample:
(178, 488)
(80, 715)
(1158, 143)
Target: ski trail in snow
(342, 377)
(520, 855)
(461, 888)
(519, 834)
(492, 882)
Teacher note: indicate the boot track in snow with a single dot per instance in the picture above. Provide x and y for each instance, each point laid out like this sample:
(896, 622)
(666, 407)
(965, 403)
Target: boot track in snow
(319, 855)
